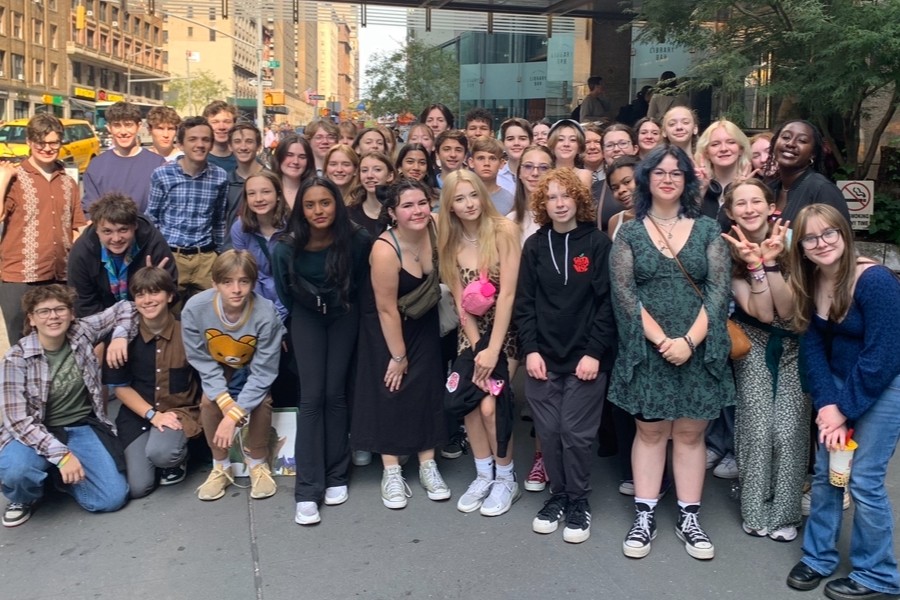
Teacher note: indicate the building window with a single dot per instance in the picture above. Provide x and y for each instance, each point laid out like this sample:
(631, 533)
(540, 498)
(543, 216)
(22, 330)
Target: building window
(102, 11)
(52, 4)
(54, 36)
(115, 14)
(76, 71)
(156, 35)
(104, 42)
(2, 64)
(38, 31)
(54, 75)
(17, 29)
(190, 32)
(2, 24)
(212, 13)
(165, 37)
(116, 47)
(38, 69)
(91, 39)
(18, 67)
(212, 35)
(21, 110)
(165, 57)
(190, 12)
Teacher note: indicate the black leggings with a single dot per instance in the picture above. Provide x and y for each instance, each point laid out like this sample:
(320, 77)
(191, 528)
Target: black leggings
(323, 346)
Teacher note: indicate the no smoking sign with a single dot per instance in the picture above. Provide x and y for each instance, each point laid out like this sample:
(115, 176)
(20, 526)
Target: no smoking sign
(860, 197)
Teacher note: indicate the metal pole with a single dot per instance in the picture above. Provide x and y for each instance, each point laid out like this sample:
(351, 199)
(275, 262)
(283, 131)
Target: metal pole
(128, 85)
(260, 109)
(190, 95)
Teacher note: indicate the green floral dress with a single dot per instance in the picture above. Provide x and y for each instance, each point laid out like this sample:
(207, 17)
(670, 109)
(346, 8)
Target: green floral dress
(642, 381)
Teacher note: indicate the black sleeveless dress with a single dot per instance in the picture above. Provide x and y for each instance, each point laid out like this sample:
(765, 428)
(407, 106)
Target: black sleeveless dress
(412, 418)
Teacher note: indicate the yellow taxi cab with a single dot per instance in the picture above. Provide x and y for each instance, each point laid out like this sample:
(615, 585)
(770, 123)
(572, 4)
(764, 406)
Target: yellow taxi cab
(80, 143)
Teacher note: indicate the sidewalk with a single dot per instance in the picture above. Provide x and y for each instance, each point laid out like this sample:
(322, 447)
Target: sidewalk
(172, 546)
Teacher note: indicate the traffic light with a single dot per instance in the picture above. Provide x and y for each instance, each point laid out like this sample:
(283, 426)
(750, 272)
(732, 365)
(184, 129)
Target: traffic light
(273, 98)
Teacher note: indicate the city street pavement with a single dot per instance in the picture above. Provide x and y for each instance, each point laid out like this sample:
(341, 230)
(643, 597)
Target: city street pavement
(172, 546)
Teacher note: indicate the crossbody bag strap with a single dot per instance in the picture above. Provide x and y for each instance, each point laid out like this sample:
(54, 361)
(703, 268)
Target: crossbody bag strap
(677, 261)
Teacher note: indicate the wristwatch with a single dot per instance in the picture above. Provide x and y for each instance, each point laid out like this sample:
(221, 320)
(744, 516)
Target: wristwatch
(150, 414)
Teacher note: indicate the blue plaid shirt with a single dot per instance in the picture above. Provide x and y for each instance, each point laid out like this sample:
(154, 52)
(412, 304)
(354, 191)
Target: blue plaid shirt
(189, 211)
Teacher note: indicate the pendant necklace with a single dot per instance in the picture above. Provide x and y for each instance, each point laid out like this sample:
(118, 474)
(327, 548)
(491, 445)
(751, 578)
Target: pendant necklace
(473, 241)
(668, 227)
(408, 248)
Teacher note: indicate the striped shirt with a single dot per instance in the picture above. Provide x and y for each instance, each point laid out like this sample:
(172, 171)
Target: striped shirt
(188, 210)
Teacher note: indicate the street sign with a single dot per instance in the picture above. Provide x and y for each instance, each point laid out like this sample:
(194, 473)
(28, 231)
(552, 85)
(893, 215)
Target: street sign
(266, 83)
(316, 97)
(274, 64)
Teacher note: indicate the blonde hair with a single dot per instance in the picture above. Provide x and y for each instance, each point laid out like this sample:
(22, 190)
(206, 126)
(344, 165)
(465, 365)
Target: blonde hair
(493, 228)
(743, 161)
(347, 190)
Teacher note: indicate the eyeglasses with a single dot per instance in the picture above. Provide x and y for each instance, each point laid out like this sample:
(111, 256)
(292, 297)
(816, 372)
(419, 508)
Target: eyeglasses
(829, 236)
(621, 145)
(52, 145)
(324, 138)
(531, 167)
(675, 175)
(58, 311)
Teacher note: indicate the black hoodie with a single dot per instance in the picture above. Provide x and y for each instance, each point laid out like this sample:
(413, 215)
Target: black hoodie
(563, 304)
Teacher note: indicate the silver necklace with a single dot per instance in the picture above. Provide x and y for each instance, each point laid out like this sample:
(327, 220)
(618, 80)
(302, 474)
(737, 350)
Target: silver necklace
(663, 219)
(473, 241)
(408, 248)
(667, 227)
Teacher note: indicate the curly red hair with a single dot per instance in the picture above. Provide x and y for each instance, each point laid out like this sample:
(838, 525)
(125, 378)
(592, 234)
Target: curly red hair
(568, 180)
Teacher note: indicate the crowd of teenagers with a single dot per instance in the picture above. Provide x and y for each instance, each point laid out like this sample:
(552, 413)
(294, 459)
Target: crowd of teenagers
(390, 292)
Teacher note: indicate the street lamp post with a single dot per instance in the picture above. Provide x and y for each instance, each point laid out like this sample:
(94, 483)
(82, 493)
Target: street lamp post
(260, 109)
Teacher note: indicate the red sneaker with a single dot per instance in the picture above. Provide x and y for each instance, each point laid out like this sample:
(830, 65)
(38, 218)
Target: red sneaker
(537, 477)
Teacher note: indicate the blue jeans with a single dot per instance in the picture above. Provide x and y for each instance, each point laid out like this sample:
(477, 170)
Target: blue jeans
(872, 537)
(103, 489)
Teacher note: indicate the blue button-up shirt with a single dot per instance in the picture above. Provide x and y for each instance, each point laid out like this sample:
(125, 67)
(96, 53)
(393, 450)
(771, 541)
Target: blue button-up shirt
(188, 210)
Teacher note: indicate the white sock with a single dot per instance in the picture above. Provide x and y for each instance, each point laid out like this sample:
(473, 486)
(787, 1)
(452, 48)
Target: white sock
(684, 505)
(485, 467)
(506, 471)
(650, 502)
(223, 464)
(253, 462)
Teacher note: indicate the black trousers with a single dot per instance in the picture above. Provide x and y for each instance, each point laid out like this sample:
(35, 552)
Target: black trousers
(323, 346)
(566, 413)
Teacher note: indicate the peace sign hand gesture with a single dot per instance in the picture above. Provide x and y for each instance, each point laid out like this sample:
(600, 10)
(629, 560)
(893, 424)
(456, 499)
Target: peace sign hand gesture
(773, 246)
(749, 252)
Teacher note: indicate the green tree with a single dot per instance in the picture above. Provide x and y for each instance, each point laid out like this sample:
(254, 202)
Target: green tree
(191, 95)
(410, 78)
(835, 62)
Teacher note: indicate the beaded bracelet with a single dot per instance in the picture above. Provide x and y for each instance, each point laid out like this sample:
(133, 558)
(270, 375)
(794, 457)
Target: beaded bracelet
(690, 343)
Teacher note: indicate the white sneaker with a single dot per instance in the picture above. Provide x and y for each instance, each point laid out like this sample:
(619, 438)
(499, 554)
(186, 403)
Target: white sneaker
(785, 534)
(361, 458)
(394, 490)
(307, 513)
(336, 495)
(503, 493)
(727, 469)
(475, 495)
(431, 480)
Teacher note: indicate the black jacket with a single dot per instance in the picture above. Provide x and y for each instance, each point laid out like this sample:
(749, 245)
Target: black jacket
(811, 188)
(87, 274)
(563, 304)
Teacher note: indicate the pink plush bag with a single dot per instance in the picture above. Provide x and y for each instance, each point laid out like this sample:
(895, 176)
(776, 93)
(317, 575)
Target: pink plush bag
(479, 296)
